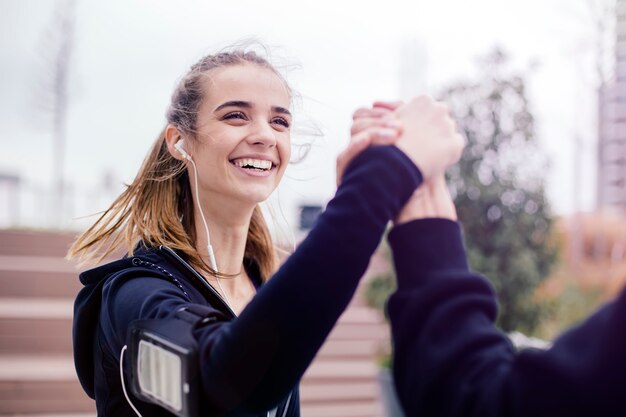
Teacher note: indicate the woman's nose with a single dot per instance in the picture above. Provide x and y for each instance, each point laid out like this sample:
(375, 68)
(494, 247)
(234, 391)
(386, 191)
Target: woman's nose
(262, 134)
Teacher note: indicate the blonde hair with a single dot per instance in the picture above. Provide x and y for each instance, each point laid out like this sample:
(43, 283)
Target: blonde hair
(157, 207)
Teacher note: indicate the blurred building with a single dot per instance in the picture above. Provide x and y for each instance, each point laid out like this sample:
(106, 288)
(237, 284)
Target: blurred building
(611, 187)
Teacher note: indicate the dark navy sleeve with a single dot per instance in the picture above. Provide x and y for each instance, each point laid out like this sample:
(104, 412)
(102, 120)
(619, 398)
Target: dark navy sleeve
(252, 362)
(266, 350)
(450, 360)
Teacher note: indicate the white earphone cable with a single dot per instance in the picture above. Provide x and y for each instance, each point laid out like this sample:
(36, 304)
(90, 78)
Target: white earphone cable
(123, 384)
(206, 228)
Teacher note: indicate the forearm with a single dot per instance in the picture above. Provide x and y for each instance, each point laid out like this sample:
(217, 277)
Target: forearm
(294, 311)
(449, 359)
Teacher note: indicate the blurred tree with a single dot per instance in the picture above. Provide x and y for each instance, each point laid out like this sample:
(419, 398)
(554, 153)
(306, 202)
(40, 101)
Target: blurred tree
(499, 190)
(499, 193)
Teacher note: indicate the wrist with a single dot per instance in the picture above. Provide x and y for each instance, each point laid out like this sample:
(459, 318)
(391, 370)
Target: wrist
(424, 246)
(431, 200)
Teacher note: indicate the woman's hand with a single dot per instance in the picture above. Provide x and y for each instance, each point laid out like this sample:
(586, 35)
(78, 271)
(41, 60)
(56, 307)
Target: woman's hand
(432, 199)
(371, 126)
(429, 136)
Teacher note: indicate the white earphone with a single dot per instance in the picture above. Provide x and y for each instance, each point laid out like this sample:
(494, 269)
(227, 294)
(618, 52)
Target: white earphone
(180, 147)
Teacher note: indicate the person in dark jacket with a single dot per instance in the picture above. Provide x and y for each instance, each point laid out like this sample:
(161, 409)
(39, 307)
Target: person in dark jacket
(450, 360)
(196, 239)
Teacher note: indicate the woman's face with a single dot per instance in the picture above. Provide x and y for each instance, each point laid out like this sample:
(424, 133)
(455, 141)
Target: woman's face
(243, 133)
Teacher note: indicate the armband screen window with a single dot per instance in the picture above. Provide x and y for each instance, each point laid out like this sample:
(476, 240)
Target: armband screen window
(164, 362)
(160, 374)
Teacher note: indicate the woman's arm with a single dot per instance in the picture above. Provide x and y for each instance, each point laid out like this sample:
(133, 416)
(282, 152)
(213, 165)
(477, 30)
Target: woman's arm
(449, 358)
(253, 361)
(283, 327)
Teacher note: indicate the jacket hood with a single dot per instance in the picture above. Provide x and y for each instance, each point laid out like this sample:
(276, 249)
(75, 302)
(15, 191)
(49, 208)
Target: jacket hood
(86, 317)
(89, 301)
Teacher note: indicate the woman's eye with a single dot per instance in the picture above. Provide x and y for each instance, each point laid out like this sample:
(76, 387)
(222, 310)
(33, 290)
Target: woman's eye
(281, 121)
(235, 115)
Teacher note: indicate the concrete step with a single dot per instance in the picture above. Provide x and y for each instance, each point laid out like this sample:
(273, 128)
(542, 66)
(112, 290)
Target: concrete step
(36, 308)
(360, 331)
(340, 370)
(355, 349)
(26, 322)
(33, 383)
(50, 368)
(46, 414)
(35, 242)
(37, 374)
(352, 391)
(36, 384)
(35, 326)
(38, 276)
(53, 335)
(342, 409)
(37, 371)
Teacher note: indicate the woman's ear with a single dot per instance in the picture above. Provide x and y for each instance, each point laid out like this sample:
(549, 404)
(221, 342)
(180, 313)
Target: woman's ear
(172, 136)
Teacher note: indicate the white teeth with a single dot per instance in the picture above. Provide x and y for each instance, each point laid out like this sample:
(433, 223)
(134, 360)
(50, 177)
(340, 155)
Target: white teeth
(254, 163)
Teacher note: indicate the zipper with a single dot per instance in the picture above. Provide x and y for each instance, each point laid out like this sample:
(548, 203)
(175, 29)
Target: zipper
(198, 277)
(287, 405)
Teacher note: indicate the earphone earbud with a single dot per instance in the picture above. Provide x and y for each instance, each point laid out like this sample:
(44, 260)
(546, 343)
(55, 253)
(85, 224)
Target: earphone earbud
(180, 147)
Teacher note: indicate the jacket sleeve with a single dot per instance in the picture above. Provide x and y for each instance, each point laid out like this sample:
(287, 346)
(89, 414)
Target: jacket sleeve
(253, 361)
(450, 360)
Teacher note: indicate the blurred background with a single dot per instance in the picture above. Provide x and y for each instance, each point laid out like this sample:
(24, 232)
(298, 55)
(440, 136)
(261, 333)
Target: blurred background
(538, 88)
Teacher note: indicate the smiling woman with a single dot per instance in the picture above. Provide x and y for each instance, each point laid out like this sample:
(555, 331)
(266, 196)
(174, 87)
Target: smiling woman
(207, 331)
(242, 137)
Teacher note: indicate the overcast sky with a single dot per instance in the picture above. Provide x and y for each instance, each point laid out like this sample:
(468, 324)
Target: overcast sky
(128, 55)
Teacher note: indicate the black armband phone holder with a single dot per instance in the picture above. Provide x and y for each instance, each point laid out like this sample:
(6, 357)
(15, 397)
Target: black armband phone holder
(164, 360)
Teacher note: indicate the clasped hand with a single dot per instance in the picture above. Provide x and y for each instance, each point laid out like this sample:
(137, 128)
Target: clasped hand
(425, 132)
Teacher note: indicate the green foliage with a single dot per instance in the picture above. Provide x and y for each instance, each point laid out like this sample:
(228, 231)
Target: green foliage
(569, 307)
(378, 290)
(573, 300)
(499, 194)
(499, 191)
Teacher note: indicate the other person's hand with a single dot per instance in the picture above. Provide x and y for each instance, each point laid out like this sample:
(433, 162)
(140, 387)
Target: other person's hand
(432, 199)
(429, 136)
(371, 126)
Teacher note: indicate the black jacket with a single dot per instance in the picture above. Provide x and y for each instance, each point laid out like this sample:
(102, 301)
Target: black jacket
(451, 361)
(251, 363)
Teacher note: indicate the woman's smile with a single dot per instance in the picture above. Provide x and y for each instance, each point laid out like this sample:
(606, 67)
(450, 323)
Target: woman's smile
(254, 167)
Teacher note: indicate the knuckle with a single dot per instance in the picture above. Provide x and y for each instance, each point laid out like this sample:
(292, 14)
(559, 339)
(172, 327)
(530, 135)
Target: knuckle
(358, 126)
(360, 112)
